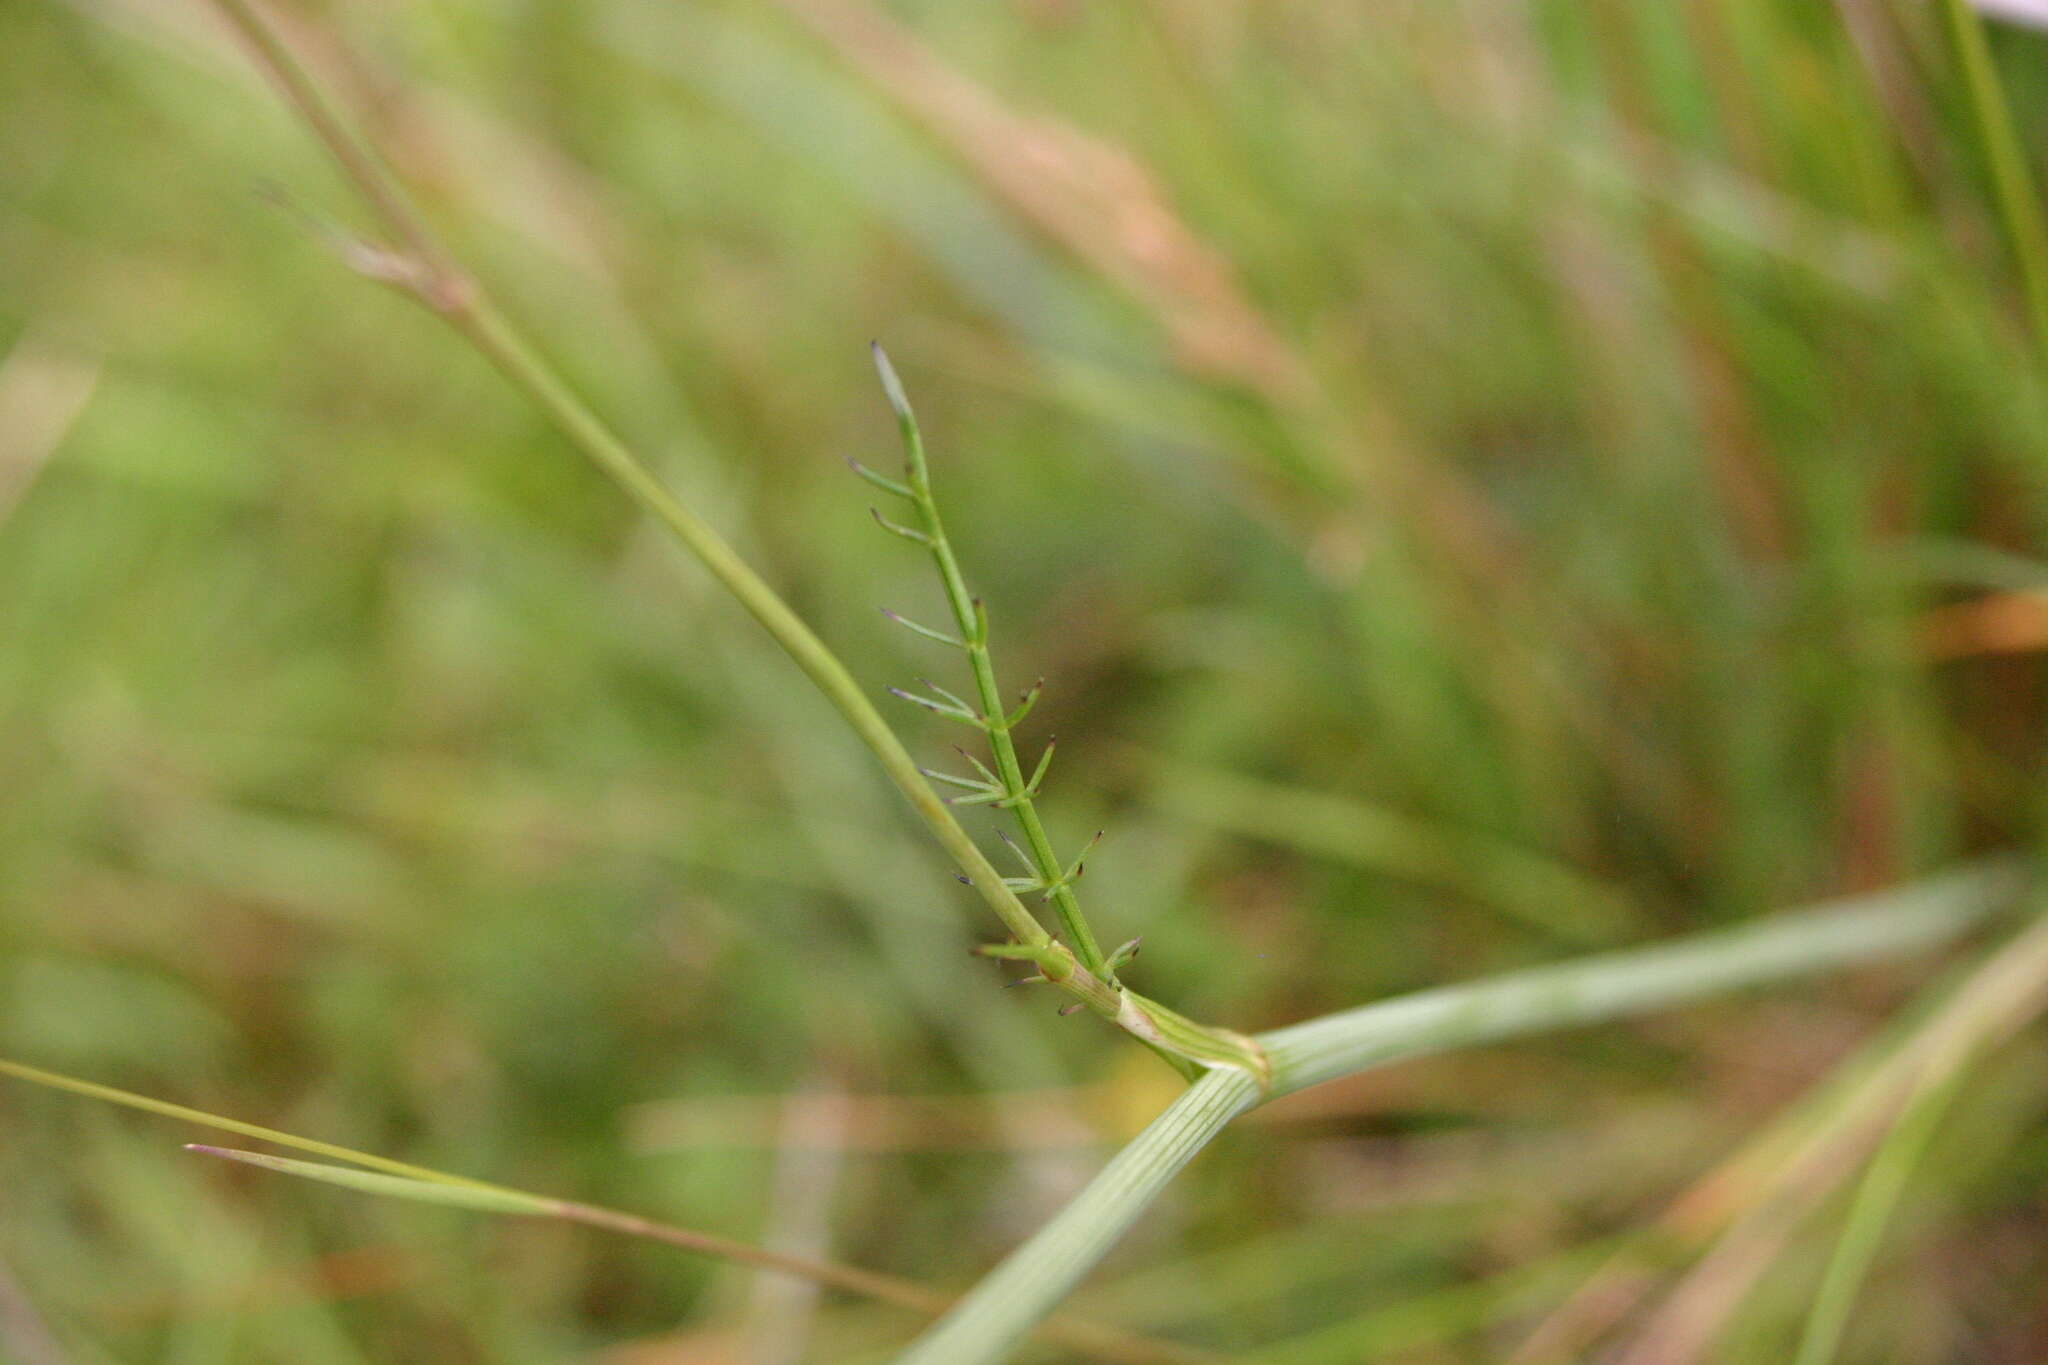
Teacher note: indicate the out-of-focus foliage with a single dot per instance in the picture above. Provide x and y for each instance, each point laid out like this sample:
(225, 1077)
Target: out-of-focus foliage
(1482, 481)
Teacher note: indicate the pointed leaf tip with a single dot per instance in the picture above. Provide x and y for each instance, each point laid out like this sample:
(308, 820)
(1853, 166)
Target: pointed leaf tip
(453, 1193)
(892, 387)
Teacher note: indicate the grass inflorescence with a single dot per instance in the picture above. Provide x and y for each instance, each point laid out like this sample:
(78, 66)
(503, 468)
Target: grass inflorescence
(1006, 787)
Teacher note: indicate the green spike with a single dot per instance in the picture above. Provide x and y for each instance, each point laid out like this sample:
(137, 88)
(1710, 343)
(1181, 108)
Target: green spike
(926, 631)
(1122, 955)
(979, 767)
(959, 713)
(952, 781)
(953, 698)
(1024, 704)
(895, 530)
(881, 481)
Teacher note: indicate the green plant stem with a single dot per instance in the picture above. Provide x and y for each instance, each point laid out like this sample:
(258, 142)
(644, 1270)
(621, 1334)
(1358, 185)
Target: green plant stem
(108, 1094)
(358, 161)
(2018, 204)
(972, 620)
(985, 1324)
(1632, 981)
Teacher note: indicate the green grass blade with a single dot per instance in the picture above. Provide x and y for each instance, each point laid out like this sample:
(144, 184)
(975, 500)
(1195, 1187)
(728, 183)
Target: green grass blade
(1610, 985)
(395, 1186)
(130, 1100)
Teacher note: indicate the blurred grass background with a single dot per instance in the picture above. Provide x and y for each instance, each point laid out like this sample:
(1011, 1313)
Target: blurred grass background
(1483, 481)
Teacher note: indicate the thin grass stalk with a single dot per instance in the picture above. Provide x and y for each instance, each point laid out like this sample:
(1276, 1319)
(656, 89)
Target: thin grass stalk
(997, 718)
(369, 1173)
(1632, 981)
(128, 1099)
(994, 1316)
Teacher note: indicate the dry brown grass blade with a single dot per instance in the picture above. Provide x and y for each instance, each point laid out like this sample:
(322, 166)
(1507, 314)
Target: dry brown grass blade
(1090, 1339)
(2000, 998)
(1873, 30)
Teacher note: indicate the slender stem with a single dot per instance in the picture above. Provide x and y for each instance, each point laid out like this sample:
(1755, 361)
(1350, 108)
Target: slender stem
(972, 620)
(374, 1174)
(2018, 204)
(1106, 1343)
(1608, 985)
(1035, 1277)
(55, 1080)
(357, 159)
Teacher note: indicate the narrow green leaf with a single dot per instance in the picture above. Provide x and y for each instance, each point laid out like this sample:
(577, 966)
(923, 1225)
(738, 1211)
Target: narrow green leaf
(1038, 773)
(128, 1099)
(968, 783)
(916, 537)
(881, 481)
(925, 631)
(398, 1187)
